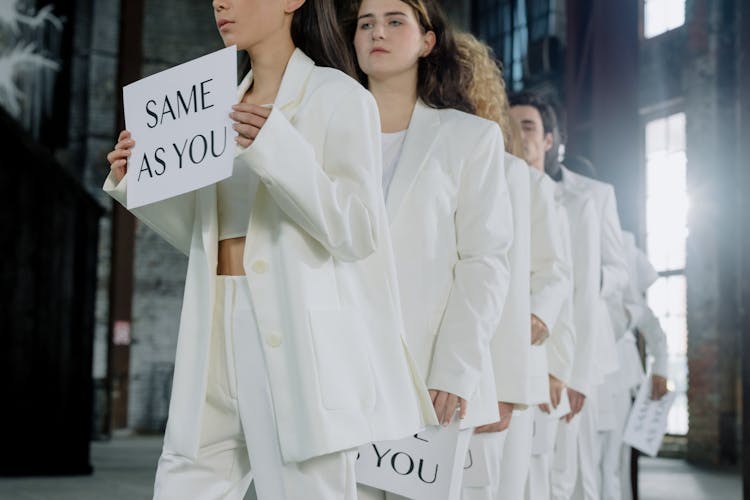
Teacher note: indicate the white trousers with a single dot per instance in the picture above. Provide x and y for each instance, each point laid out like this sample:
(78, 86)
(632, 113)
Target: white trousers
(493, 445)
(575, 470)
(514, 466)
(615, 455)
(239, 439)
(538, 483)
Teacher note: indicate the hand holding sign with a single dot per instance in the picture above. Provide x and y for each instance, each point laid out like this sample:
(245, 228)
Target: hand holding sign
(647, 422)
(118, 158)
(249, 119)
(181, 131)
(426, 466)
(445, 405)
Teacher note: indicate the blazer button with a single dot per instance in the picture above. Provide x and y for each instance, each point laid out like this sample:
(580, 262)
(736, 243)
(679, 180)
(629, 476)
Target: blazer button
(273, 340)
(259, 266)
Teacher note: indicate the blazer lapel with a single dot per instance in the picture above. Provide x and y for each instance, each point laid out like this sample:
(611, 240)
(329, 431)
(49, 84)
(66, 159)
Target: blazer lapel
(298, 70)
(420, 136)
(293, 84)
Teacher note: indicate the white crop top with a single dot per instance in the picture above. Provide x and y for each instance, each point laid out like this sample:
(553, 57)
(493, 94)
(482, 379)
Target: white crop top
(235, 197)
(392, 144)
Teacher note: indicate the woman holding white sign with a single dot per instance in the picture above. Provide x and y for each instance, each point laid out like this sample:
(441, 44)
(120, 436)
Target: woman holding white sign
(447, 201)
(290, 351)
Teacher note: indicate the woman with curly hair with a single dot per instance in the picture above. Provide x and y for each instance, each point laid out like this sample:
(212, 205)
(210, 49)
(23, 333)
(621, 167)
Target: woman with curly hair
(447, 201)
(540, 285)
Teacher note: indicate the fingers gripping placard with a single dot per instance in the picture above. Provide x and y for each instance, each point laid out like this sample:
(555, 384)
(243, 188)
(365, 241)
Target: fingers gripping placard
(179, 119)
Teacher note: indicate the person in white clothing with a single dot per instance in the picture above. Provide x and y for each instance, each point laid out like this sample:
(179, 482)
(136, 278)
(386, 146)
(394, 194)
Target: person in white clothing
(635, 317)
(291, 346)
(536, 268)
(448, 204)
(537, 121)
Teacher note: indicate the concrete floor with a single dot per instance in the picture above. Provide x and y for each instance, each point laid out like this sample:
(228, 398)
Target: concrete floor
(124, 470)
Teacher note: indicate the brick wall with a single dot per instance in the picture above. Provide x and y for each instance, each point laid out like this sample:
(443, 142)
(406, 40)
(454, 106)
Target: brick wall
(709, 82)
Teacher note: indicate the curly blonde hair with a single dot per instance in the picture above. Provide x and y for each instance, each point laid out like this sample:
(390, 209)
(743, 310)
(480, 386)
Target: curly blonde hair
(486, 88)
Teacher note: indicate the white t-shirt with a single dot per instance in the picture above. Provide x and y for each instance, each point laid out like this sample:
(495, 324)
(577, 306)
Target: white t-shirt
(392, 145)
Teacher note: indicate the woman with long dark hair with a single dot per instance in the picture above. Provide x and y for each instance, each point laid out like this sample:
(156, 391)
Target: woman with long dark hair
(290, 351)
(447, 201)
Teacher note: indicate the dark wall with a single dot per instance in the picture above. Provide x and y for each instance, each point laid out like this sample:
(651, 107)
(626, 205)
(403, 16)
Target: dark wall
(47, 285)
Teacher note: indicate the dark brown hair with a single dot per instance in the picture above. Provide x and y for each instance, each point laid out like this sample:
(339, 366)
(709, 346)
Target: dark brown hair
(316, 32)
(442, 77)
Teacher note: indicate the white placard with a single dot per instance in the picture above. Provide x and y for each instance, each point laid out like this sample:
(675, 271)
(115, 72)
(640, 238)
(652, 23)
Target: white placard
(647, 422)
(179, 119)
(543, 440)
(426, 466)
(563, 407)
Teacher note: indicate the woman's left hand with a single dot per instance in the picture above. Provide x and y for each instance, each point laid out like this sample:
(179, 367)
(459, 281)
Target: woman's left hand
(249, 119)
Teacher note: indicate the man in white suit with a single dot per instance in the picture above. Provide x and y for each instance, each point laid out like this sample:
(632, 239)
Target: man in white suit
(548, 286)
(634, 314)
(550, 289)
(595, 350)
(614, 279)
(559, 352)
(510, 347)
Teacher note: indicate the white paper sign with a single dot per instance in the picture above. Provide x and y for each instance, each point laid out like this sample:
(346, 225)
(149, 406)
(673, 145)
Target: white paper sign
(543, 440)
(563, 407)
(647, 422)
(179, 119)
(426, 466)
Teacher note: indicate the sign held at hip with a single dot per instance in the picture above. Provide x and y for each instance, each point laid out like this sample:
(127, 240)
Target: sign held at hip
(179, 119)
(428, 465)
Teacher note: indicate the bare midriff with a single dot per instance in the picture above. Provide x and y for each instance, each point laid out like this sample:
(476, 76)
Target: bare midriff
(231, 253)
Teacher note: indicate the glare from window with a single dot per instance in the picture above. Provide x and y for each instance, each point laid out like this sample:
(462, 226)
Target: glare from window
(667, 206)
(660, 16)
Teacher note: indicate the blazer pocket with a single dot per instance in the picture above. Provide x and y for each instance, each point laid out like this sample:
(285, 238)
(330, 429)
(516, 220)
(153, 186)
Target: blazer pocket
(342, 359)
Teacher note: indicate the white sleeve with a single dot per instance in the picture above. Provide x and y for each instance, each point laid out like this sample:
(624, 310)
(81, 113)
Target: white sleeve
(172, 219)
(656, 342)
(586, 245)
(332, 198)
(614, 272)
(484, 233)
(562, 341)
(549, 269)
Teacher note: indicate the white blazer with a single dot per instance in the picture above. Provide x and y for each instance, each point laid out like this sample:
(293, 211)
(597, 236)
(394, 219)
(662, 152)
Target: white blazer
(451, 223)
(587, 304)
(511, 346)
(562, 341)
(549, 275)
(320, 270)
(640, 315)
(612, 264)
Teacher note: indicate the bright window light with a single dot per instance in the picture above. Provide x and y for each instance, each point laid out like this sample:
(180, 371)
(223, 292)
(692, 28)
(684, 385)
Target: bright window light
(660, 16)
(666, 234)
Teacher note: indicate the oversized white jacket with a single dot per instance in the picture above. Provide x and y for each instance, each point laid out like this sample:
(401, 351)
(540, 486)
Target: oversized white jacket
(639, 314)
(562, 342)
(612, 263)
(320, 270)
(451, 223)
(511, 347)
(587, 304)
(550, 279)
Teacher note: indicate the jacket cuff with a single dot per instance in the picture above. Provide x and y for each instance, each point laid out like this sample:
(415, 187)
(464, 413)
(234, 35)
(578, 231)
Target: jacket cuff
(463, 386)
(545, 313)
(117, 190)
(660, 366)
